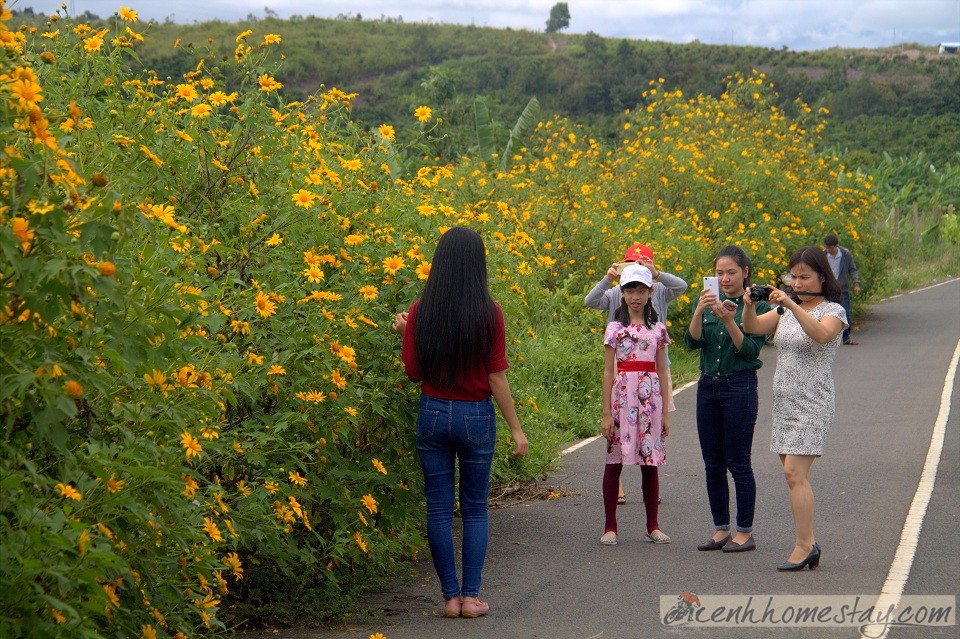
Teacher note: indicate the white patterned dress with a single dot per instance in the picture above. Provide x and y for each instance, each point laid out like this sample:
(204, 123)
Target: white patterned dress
(803, 390)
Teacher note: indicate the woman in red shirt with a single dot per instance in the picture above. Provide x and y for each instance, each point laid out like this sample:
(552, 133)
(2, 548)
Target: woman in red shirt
(454, 344)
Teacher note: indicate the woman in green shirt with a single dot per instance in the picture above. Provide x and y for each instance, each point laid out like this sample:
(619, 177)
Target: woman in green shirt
(727, 398)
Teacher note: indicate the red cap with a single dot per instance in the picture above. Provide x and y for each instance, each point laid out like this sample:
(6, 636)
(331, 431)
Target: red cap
(636, 251)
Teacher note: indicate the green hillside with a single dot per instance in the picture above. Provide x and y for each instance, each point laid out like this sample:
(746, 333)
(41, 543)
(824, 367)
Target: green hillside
(900, 100)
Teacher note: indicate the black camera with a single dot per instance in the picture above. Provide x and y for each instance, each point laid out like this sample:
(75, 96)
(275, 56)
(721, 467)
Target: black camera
(760, 292)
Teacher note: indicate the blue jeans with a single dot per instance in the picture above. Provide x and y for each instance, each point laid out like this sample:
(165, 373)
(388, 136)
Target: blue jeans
(726, 417)
(448, 430)
(846, 307)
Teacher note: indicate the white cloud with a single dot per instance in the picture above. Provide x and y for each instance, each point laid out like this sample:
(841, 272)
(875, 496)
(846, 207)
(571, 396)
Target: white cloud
(799, 24)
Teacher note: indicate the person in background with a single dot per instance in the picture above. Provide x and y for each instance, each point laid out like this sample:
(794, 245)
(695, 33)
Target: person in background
(727, 401)
(844, 270)
(807, 335)
(634, 422)
(454, 343)
(607, 297)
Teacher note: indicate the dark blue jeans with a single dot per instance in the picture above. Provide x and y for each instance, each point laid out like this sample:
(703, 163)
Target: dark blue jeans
(846, 307)
(726, 417)
(449, 430)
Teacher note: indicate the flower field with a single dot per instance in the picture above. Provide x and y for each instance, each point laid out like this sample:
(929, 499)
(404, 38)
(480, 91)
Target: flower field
(203, 408)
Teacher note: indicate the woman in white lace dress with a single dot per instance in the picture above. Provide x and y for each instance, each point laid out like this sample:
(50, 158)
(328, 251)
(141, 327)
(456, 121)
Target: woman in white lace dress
(807, 335)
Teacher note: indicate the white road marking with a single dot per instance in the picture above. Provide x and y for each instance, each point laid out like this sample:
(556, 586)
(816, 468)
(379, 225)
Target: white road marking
(903, 559)
(588, 440)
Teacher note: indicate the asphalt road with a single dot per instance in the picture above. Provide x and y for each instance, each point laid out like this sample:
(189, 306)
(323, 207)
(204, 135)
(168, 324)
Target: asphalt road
(547, 576)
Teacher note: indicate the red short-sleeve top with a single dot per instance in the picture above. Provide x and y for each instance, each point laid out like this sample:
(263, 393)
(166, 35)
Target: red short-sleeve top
(475, 385)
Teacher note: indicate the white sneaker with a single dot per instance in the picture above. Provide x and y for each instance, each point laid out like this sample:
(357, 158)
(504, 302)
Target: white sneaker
(609, 538)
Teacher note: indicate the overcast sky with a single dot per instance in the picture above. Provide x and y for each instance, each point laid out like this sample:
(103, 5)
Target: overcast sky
(798, 24)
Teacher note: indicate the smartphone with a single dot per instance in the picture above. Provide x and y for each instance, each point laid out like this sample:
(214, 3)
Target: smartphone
(730, 305)
(712, 284)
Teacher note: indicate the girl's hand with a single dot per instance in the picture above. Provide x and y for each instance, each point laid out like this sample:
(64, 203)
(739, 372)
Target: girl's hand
(606, 427)
(665, 423)
(612, 274)
(707, 300)
(646, 261)
(520, 444)
(747, 300)
(400, 322)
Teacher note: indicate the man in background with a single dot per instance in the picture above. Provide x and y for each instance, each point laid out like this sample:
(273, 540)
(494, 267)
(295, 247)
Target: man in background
(845, 270)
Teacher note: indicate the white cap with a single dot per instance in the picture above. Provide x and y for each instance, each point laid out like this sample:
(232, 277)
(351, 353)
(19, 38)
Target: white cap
(634, 273)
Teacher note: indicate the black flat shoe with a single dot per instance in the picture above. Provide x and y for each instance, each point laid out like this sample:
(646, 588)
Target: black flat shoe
(812, 560)
(733, 546)
(715, 544)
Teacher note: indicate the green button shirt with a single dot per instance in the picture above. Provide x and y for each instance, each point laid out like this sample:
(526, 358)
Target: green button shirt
(718, 356)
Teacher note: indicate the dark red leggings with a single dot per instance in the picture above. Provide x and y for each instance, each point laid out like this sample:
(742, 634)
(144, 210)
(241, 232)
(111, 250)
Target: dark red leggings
(650, 489)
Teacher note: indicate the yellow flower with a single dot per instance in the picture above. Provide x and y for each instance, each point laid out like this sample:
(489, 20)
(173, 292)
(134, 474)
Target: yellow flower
(128, 15)
(57, 615)
(297, 478)
(370, 503)
(201, 111)
(276, 369)
(111, 592)
(187, 92)
(304, 198)
(243, 36)
(268, 83)
(423, 270)
(274, 240)
(73, 389)
(115, 485)
(272, 38)
(107, 269)
(379, 466)
(378, 635)
(93, 43)
(423, 113)
(358, 538)
(190, 486)
(265, 306)
(338, 380)
(232, 561)
(148, 631)
(69, 492)
(369, 292)
(314, 274)
(393, 264)
(387, 132)
(21, 228)
(191, 445)
(211, 527)
(219, 98)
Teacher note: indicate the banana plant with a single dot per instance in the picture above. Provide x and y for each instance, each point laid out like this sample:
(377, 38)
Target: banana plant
(485, 141)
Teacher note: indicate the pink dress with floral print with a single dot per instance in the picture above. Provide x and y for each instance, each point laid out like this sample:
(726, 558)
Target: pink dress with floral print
(635, 398)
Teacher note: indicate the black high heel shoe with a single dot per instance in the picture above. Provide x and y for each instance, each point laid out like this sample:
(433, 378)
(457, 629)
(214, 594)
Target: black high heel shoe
(812, 560)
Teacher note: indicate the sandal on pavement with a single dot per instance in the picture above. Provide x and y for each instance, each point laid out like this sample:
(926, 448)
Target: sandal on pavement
(658, 537)
(451, 607)
(473, 608)
(609, 538)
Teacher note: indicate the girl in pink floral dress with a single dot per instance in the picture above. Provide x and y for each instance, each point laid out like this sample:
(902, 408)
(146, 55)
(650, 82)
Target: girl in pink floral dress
(634, 422)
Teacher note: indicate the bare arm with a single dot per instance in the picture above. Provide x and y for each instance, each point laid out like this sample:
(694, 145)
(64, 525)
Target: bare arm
(765, 324)
(666, 389)
(821, 331)
(500, 388)
(606, 425)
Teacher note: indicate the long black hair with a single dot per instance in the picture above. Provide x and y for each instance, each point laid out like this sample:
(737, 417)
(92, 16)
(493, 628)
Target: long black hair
(453, 327)
(623, 313)
(739, 256)
(816, 259)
